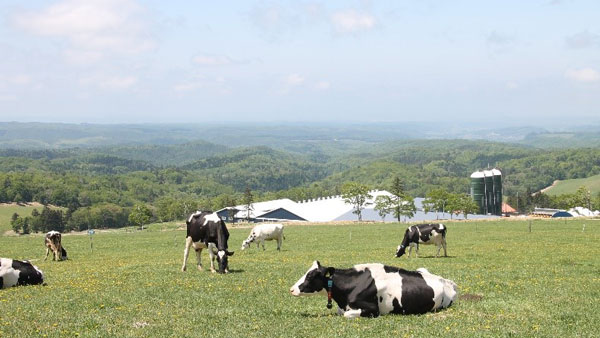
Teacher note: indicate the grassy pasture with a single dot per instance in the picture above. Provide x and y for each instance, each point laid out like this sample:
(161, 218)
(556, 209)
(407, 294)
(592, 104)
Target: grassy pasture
(570, 186)
(543, 283)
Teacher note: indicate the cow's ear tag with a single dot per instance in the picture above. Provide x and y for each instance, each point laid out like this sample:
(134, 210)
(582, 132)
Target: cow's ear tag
(329, 286)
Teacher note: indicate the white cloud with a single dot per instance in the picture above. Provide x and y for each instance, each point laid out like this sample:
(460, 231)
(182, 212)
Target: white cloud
(583, 40)
(7, 98)
(110, 83)
(93, 28)
(186, 86)
(512, 85)
(496, 38)
(351, 21)
(583, 75)
(18, 79)
(322, 85)
(294, 80)
(206, 60)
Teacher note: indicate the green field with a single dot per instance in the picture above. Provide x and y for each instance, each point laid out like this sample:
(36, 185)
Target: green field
(543, 283)
(7, 210)
(592, 183)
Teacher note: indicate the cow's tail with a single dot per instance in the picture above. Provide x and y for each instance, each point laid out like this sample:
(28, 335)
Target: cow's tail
(443, 230)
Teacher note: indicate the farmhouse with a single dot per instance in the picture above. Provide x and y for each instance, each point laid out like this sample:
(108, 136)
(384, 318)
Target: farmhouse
(322, 209)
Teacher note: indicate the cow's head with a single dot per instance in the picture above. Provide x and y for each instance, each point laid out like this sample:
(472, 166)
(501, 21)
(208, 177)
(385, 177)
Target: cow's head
(54, 238)
(313, 281)
(247, 241)
(29, 274)
(245, 244)
(222, 259)
(401, 250)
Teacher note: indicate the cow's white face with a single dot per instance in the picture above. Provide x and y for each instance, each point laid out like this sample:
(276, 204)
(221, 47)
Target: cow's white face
(245, 244)
(400, 250)
(222, 259)
(312, 283)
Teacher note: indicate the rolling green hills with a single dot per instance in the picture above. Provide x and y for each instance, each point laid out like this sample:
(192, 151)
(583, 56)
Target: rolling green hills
(592, 183)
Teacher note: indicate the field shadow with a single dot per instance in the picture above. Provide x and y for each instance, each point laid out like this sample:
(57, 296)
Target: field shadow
(441, 257)
(236, 270)
(314, 315)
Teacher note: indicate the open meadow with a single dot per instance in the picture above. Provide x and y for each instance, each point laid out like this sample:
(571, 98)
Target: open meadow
(512, 283)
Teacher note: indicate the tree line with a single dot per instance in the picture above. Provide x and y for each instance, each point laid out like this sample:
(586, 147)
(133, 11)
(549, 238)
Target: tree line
(101, 190)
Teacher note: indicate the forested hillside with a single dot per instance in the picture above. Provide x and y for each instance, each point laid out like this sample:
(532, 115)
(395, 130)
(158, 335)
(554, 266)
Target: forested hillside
(175, 179)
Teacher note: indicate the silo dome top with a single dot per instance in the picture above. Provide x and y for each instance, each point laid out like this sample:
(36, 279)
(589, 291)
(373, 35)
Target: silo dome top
(477, 174)
(496, 172)
(488, 173)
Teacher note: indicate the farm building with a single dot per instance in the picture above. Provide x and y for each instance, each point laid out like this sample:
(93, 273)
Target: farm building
(323, 209)
(486, 191)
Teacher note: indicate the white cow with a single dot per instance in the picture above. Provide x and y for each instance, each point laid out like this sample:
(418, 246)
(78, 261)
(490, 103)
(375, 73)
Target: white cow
(264, 232)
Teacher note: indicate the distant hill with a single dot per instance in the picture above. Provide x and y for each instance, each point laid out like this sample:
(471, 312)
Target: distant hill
(570, 186)
(166, 155)
(317, 139)
(574, 139)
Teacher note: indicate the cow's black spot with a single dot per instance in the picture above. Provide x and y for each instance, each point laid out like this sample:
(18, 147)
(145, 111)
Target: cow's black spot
(1, 282)
(397, 307)
(380, 299)
(417, 296)
(390, 269)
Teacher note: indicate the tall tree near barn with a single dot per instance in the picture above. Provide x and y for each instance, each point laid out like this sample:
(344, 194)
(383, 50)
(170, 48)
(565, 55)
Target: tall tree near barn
(401, 204)
(356, 194)
(248, 199)
(383, 205)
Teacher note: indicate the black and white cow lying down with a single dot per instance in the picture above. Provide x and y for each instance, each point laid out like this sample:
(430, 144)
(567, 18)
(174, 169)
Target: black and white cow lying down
(53, 242)
(207, 230)
(14, 273)
(423, 234)
(370, 290)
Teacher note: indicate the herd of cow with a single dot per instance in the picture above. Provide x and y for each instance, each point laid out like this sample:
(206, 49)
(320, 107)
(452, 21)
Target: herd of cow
(365, 290)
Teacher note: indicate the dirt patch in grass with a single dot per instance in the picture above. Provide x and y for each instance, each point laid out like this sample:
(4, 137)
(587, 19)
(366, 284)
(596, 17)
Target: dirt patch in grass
(471, 297)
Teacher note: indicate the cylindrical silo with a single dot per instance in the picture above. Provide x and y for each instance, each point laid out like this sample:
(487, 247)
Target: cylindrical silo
(478, 190)
(497, 191)
(489, 191)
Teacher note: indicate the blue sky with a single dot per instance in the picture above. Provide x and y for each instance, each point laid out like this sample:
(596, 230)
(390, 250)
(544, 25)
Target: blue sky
(146, 61)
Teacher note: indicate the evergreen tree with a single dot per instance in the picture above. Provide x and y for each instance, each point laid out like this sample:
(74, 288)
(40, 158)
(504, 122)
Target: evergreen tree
(16, 223)
(248, 199)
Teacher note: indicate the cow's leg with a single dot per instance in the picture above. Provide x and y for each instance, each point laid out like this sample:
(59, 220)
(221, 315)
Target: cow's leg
(58, 253)
(262, 242)
(340, 311)
(417, 250)
(186, 251)
(258, 244)
(444, 245)
(279, 240)
(47, 253)
(199, 258)
(439, 247)
(352, 313)
(211, 255)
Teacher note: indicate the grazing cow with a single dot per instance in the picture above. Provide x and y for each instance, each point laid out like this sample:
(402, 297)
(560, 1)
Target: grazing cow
(370, 290)
(53, 242)
(423, 234)
(14, 273)
(262, 233)
(207, 230)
